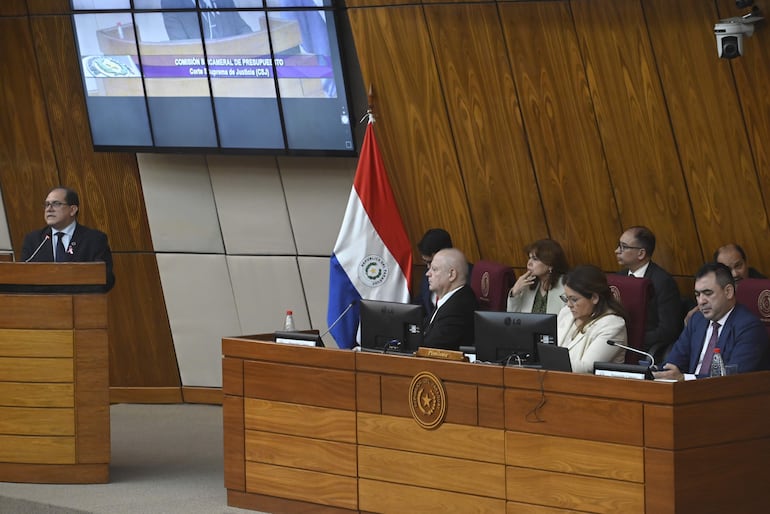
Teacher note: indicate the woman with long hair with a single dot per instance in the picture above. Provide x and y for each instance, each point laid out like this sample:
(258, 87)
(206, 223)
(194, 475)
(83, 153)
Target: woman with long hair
(591, 317)
(539, 289)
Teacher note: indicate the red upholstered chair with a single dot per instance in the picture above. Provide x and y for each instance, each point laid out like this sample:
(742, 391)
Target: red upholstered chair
(754, 293)
(634, 295)
(491, 282)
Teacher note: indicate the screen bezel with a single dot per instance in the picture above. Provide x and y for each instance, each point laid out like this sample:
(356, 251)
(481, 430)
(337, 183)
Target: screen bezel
(309, 145)
(501, 336)
(383, 321)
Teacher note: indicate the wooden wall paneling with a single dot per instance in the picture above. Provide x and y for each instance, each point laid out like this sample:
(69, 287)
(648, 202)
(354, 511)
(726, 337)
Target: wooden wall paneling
(481, 101)
(92, 396)
(23, 311)
(752, 76)
(659, 481)
(575, 456)
(432, 471)
(27, 163)
(585, 494)
(312, 386)
(635, 129)
(709, 127)
(368, 393)
(234, 442)
(38, 450)
(306, 486)
(376, 3)
(377, 496)
(301, 452)
(37, 394)
(413, 128)
(448, 440)
(743, 472)
(13, 8)
(36, 343)
(558, 112)
(141, 348)
(318, 422)
(48, 6)
(574, 416)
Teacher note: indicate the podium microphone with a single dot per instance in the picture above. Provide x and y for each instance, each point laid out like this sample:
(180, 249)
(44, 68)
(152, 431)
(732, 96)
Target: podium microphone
(648, 355)
(47, 237)
(339, 318)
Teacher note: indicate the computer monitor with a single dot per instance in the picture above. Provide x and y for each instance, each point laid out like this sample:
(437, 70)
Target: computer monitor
(391, 326)
(512, 337)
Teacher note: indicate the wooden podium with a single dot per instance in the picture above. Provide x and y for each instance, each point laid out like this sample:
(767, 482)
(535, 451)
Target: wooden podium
(54, 375)
(332, 431)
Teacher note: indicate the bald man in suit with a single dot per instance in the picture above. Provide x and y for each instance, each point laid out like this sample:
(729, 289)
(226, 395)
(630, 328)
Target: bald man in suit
(451, 325)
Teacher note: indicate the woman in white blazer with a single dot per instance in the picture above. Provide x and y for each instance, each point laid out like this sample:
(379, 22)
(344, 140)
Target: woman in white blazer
(540, 288)
(591, 317)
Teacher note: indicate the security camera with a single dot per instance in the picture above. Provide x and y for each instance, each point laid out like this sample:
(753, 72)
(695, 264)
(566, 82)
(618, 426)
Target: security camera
(730, 31)
(729, 34)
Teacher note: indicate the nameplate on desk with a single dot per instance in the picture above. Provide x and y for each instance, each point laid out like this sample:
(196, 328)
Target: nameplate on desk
(438, 353)
(612, 369)
(298, 338)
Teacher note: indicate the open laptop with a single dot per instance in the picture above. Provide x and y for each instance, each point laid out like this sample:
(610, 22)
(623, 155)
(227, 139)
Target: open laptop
(553, 357)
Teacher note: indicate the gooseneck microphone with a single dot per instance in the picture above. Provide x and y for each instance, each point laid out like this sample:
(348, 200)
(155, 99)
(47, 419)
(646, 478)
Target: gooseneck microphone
(47, 237)
(339, 318)
(640, 352)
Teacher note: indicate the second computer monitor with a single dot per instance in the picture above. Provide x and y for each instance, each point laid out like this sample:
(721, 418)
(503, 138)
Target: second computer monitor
(512, 337)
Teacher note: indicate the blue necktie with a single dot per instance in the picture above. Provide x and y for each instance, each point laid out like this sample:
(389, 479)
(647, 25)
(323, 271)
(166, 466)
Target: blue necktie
(59, 257)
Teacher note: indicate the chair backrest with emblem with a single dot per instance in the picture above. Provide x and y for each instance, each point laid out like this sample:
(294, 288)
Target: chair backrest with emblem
(754, 293)
(491, 282)
(634, 295)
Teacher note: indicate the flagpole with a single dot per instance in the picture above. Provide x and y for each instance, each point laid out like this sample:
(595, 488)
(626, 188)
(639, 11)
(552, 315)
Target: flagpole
(369, 116)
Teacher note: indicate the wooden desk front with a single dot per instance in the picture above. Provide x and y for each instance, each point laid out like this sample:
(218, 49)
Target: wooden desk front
(320, 430)
(54, 377)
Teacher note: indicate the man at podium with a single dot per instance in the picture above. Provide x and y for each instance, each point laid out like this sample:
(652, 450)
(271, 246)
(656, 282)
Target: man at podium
(64, 239)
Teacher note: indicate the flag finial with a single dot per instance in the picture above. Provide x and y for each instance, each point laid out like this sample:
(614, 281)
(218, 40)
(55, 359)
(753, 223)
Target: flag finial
(369, 116)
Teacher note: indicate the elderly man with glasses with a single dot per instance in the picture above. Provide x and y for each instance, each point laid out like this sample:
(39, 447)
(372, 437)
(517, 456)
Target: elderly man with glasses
(64, 239)
(664, 312)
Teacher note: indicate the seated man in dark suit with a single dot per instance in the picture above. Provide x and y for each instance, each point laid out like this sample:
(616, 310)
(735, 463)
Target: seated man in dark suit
(66, 240)
(664, 312)
(733, 256)
(451, 325)
(739, 335)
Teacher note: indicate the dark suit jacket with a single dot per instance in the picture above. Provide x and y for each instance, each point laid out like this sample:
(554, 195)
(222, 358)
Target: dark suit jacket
(664, 312)
(453, 325)
(86, 245)
(742, 341)
(425, 297)
(216, 24)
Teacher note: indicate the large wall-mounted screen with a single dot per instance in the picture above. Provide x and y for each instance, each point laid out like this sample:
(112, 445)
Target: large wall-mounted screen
(262, 76)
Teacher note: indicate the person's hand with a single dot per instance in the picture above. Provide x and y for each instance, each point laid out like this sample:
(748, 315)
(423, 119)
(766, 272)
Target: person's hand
(523, 282)
(689, 314)
(670, 372)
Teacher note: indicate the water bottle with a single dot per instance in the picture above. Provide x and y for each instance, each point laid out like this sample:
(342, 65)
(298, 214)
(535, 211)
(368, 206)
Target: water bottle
(717, 364)
(288, 324)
